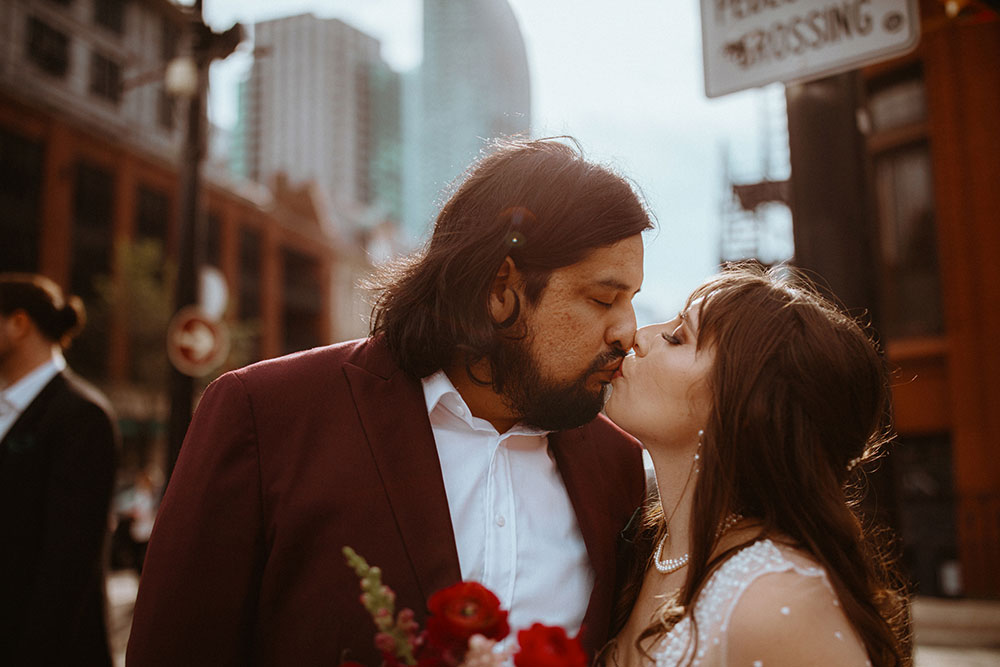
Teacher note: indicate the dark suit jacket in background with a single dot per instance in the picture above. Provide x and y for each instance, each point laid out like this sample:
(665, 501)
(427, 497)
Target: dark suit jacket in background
(57, 471)
(288, 461)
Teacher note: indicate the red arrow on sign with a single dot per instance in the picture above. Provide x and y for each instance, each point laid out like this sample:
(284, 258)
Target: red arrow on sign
(196, 345)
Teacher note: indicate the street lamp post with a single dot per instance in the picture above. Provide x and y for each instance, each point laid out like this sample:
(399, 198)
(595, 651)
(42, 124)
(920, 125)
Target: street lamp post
(187, 78)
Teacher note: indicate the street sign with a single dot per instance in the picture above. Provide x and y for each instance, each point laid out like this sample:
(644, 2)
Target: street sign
(196, 345)
(749, 43)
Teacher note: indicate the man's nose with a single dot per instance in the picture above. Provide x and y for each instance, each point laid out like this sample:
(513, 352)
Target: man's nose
(622, 333)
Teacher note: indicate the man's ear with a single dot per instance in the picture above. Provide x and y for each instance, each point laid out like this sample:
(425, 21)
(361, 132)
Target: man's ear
(19, 324)
(504, 301)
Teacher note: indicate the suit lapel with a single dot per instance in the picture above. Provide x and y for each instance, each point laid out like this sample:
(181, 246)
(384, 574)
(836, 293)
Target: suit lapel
(394, 416)
(575, 455)
(22, 434)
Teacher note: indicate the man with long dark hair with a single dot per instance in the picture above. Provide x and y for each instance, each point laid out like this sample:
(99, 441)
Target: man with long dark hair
(460, 441)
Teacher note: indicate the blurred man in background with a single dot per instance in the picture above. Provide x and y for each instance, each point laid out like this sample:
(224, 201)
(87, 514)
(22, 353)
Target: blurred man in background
(58, 448)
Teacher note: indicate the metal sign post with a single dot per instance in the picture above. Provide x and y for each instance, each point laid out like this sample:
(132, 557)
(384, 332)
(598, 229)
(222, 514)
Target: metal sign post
(204, 46)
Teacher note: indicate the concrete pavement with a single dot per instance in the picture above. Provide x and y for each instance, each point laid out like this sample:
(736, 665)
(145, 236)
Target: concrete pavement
(122, 586)
(956, 633)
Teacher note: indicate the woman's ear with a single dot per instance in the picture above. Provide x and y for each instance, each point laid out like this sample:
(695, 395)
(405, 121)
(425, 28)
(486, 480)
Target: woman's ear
(504, 302)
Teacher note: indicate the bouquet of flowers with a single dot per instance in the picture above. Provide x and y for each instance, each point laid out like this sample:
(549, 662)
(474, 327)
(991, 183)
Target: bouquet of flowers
(464, 627)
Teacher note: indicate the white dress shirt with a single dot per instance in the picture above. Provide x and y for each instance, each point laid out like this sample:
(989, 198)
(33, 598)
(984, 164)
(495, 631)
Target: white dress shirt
(515, 527)
(18, 396)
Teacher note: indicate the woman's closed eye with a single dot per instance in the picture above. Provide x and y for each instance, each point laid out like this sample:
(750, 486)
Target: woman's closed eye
(670, 338)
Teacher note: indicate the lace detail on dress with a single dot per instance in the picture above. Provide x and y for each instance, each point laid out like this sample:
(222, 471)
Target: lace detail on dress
(715, 605)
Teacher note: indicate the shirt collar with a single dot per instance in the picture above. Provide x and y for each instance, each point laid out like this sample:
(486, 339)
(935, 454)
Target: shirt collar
(439, 390)
(23, 392)
(436, 387)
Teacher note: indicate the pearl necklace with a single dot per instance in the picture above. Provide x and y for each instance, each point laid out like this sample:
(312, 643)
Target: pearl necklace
(671, 564)
(674, 564)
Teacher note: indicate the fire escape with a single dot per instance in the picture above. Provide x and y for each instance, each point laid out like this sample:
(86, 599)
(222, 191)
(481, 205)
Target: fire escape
(755, 206)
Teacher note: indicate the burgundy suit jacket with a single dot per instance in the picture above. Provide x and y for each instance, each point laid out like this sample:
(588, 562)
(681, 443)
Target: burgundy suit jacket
(288, 461)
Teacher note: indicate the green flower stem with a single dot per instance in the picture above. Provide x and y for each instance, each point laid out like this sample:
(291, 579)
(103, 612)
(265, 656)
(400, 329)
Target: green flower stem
(380, 601)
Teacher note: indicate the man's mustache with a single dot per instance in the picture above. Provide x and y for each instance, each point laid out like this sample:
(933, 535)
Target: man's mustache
(606, 359)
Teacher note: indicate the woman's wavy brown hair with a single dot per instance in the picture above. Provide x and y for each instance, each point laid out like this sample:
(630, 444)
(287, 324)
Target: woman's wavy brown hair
(800, 403)
(538, 202)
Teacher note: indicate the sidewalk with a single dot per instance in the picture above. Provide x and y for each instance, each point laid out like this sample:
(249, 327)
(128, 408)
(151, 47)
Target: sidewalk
(122, 586)
(936, 656)
(956, 633)
(949, 633)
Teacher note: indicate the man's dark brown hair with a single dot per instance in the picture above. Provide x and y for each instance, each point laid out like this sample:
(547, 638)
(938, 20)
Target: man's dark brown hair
(538, 202)
(58, 318)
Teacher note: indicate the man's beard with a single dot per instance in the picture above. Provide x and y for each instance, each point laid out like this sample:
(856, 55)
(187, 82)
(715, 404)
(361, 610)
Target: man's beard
(542, 403)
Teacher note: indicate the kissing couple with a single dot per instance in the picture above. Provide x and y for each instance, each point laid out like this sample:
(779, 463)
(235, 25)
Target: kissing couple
(463, 441)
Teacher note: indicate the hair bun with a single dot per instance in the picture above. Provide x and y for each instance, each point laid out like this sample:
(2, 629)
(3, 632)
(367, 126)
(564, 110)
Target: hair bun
(71, 318)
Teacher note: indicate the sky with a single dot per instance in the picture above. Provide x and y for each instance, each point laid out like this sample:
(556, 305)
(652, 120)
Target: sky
(625, 78)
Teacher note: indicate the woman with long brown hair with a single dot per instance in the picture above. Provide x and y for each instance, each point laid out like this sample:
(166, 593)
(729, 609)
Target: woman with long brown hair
(758, 406)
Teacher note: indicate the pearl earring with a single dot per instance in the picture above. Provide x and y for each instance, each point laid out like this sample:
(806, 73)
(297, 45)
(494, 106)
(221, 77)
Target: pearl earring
(697, 453)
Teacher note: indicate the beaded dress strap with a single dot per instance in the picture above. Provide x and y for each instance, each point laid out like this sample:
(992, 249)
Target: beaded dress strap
(719, 598)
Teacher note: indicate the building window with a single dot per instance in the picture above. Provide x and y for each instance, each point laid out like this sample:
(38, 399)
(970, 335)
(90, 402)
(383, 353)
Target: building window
(170, 35)
(152, 215)
(47, 47)
(250, 266)
(105, 78)
(213, 241)
(898, 102)
(165, 109)
(911, 291)
(904, 196)
(152, 218)
(248, 300)
(20, 201)
(93, 205)
(92, 214)
(924, 472)
(110, 14)
(303, 301)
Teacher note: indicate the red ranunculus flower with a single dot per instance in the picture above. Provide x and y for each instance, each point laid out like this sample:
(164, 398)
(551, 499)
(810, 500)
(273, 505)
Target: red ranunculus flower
(543, 646)
(463, 610)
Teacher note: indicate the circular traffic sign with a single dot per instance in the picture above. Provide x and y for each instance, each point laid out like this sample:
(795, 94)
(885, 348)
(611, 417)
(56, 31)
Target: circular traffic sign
(196, 345)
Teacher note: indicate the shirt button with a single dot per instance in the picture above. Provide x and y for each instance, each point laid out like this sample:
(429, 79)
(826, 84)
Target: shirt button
(500, 521)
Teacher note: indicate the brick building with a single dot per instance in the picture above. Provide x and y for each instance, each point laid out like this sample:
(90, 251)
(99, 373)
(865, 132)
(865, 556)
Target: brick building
(89, 158)
(895, 175)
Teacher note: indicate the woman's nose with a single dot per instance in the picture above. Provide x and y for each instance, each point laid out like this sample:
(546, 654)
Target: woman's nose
(644, 338)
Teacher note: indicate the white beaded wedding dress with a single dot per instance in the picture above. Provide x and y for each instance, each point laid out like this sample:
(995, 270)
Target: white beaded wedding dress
(763, 606)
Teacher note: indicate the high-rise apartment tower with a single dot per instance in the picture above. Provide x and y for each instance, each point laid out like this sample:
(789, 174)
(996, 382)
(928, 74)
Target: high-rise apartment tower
(322, 105)
(474, 85)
